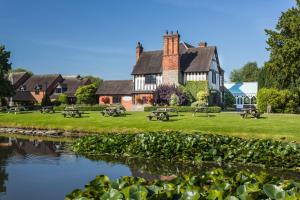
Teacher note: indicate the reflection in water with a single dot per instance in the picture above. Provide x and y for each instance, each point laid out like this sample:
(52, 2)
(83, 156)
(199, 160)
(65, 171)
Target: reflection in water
(31, 169)
(5, 153)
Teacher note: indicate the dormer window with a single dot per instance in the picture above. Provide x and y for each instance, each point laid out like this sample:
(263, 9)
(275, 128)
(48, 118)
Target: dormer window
(23, 88)
(58, 89)
(150, 79)
(37, 89)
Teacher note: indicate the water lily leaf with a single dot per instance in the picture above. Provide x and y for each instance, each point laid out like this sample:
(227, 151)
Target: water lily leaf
(191, 193)
(273, 191)
(215, 194)
(231, 198)
(136, 192)
(112, 194)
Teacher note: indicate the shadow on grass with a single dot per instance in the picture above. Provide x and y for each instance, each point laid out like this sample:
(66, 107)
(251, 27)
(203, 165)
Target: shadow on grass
(208, 116)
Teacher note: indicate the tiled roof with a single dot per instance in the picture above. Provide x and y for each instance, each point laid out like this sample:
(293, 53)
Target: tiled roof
(73, 83)
(23, 96)
(115, 87)
(42, 81)
(18, 78)
(191, 60)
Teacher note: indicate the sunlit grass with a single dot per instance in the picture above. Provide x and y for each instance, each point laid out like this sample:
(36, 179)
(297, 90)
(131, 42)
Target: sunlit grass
(270, 126)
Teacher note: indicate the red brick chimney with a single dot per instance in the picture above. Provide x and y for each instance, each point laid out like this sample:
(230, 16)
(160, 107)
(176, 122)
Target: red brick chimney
(171, 55)
(203, 44)
(139, 51)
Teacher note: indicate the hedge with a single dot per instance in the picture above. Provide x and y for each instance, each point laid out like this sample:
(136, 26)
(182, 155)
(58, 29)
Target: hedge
(211, 109)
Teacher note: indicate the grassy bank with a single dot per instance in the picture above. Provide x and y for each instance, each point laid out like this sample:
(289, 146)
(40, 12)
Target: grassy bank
(270, 126)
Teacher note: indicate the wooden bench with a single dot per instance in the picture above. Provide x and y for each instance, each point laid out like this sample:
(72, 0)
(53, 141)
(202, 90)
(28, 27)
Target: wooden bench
(47, 109)
(72, 112)
(16, 110)
(159, 115)
(251, 111)
(113, 112)
(202, 109)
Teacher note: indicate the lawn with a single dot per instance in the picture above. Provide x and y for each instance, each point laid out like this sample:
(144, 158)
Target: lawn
(270, 126)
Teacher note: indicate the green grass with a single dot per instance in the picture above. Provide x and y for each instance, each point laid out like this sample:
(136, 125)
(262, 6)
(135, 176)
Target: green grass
(270, 126)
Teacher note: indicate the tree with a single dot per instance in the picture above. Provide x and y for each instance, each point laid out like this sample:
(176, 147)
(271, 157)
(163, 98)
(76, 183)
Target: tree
(46, 100)
(63, 99)
(6, 89)
(95, 80)
(248, 73)
(86, 94)
(284, 46)
(19, 69)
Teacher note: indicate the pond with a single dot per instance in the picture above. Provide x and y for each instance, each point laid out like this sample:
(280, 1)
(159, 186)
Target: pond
(32, 169)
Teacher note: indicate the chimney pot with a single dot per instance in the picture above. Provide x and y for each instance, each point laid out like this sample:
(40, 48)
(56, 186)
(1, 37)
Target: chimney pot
(203, 44)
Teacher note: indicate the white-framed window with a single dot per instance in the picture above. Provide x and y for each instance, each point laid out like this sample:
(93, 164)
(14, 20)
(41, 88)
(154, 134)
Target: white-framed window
(150, 79)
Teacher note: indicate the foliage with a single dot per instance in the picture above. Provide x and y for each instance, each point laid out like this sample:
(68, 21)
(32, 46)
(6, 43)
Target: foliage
(211, 109)
(193, 87)
(95, 80)
(265, 79)
(177, 146)
(105, 100)
(248, 73)
(214, 184)
(284, 46)
(162, 95)
(229, 99)
(6, 89)
(202, 97)
(22, 70)
(86, 94)
(46, 100)
(174, 100)
(63, 99)
(279, 100)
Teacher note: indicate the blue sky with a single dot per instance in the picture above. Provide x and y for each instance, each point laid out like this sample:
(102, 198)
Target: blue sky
(98, 37)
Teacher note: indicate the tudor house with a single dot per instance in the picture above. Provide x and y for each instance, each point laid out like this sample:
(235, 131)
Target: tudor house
(32, 89)
(177, 63)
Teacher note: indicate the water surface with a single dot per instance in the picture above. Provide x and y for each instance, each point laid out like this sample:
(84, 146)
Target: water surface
(32, 169)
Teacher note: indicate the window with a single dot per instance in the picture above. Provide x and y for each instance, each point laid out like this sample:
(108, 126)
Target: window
(214, 77)
(150, 79)
(116, 99)
(253, 100)
(37, 89)
(58, 90)
(246, 100)
(23, 88)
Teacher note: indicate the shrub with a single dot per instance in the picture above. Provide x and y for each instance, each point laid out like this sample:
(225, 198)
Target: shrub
(105, 100)
(63, 99)
(162, 95)
(279, 100)
(86, 94)
(211, 109)
(46, 100)
(193, 87)
(229, 99)
(174, 100)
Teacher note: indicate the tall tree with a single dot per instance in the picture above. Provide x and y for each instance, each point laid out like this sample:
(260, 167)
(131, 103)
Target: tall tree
(248, 73)
(284, 46)
(6, 88)
(95, 80)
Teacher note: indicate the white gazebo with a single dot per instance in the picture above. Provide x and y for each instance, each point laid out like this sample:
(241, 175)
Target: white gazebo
(244, 93)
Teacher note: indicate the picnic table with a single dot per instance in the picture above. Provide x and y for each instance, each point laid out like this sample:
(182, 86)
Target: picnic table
(47, 109)
(72, 112)
(201, 109)
(169, 110)
(160, 115)
(113, 111)
(250, 111)
(3, 109)
(16, 109)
